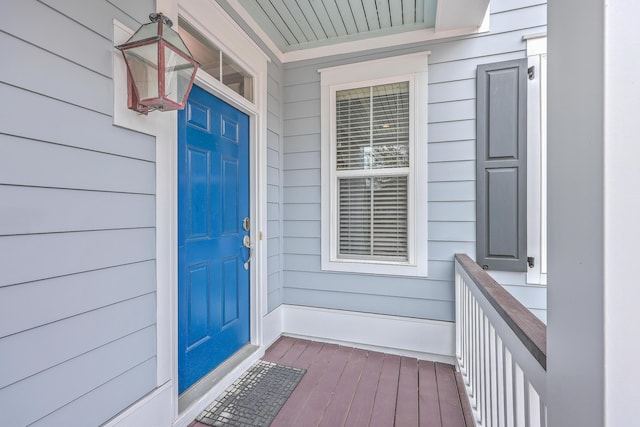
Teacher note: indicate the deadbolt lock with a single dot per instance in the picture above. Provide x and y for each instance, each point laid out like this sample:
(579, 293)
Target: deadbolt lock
(246, 223)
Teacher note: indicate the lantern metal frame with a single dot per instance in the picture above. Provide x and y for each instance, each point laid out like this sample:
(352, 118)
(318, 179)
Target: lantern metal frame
(161, 102)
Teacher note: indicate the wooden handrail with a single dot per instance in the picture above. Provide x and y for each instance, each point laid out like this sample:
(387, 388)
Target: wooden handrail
(531, 331)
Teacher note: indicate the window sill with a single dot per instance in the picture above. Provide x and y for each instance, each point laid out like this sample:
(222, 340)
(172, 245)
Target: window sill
(375, 267)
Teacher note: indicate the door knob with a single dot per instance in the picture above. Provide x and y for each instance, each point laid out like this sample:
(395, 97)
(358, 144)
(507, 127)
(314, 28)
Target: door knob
(246, 242)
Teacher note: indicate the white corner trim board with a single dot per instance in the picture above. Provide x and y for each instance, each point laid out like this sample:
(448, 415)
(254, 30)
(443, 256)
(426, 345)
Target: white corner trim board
(424, 339)
(272, 326)
(155, 409)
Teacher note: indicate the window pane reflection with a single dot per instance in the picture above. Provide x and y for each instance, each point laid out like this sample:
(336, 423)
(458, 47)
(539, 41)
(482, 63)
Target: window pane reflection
(234, 77)
(216, 63)
(205, 52)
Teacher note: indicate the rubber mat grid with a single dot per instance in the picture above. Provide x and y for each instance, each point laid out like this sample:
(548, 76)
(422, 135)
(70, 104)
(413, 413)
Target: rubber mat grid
(255, 398)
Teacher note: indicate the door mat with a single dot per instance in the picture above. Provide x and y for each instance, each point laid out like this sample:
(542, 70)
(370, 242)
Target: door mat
(255, 398)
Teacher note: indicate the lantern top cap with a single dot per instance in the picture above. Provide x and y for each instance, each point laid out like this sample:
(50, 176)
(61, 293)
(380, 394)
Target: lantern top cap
(158, 29)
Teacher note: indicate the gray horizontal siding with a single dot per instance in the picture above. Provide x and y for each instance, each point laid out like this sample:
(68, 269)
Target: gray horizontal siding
(37, 396)
(106, 399)
(16, 122)
(77, 220)
(43, 164)
(92, 290)
(451, 171)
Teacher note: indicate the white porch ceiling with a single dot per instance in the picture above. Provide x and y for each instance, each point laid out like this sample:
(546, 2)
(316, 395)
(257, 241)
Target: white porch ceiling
(306, 24)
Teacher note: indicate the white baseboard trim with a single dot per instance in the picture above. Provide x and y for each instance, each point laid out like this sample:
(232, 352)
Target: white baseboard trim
(424, 339)
(153, 410)
(272, 327)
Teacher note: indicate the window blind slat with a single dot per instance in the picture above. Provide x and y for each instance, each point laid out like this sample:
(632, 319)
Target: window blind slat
(372, 127)
(372, 216)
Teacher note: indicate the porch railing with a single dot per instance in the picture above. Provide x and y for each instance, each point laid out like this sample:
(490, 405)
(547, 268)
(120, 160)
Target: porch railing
(500, 351)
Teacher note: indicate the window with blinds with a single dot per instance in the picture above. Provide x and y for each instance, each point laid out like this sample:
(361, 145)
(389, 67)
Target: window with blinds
(372, 169)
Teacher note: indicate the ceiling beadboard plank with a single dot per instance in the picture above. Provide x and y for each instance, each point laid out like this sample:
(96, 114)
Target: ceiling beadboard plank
(265, 23)
(408, 12)
(277, 21)
(314, 21)
(290, 20)
(335, 16)
(384, 16)
(301, 19)
(347, 16)
(420, 11)
(359, 16)
(396, 13)
(430, 7)
(321, 12)
(371, 13)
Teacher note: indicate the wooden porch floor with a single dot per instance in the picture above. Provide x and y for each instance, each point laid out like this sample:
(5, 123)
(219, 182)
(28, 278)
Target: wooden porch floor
(344, 386)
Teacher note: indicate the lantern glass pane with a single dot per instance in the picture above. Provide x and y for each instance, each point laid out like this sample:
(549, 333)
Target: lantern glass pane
(143, 65)
(172, 37)
(203, 51)
(144, 32)
(236, 78)
(177, 75)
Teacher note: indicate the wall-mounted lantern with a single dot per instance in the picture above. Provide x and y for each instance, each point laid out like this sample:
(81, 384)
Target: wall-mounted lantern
(160, 68)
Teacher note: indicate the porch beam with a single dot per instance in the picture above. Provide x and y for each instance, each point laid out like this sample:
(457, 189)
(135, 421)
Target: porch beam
(457, 14)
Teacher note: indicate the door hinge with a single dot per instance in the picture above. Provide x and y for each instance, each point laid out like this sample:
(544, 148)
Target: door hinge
(531, 72)
(531, 261)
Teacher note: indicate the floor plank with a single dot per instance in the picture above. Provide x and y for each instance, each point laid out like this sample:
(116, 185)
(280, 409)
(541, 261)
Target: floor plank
(450, 406)
(362, 405)
(292, 408)
(294, 352)
(429, 406)
(319, 398)
(407, 402)
(464, 400)
(384, 406)
(308, 355)
(340, 401)
(278, 349)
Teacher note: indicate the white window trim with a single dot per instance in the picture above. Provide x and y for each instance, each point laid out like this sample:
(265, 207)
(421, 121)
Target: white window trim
(537, 159)
(412, 68)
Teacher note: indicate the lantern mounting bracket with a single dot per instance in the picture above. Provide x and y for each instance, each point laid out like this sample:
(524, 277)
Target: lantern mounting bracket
(159, 16)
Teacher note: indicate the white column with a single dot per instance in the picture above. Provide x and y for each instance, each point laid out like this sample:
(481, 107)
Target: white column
(575, 293)
(594, 213)
(621, 212)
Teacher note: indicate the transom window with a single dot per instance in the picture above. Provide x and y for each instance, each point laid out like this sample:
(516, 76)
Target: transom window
(373, 194)
(215, 62)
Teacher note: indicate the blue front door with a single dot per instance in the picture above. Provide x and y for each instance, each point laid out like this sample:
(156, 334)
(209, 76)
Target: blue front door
(213, 201)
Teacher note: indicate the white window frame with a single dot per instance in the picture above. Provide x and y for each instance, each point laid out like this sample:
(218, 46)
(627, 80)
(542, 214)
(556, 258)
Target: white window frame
(411, 68)
(537, 159)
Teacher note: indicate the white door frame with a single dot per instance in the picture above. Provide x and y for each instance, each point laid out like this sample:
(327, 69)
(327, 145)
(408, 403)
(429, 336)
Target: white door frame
(212, 21)
(160, 407)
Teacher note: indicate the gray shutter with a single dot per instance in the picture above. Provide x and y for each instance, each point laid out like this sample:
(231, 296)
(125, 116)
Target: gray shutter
(501, 148)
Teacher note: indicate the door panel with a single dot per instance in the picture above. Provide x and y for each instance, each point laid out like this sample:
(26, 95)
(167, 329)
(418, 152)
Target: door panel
(213, 199)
